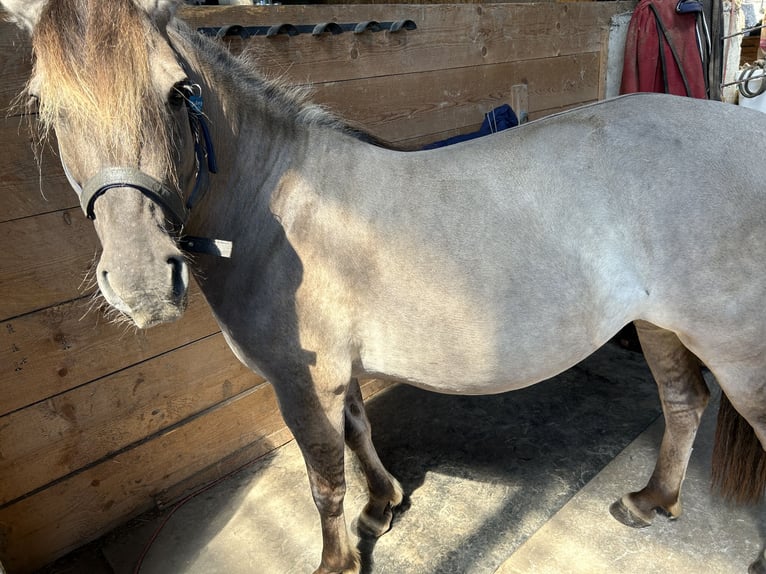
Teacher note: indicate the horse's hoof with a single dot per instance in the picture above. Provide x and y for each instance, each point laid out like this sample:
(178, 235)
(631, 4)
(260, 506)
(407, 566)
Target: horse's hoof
(368, 526)
(354, 568)
(371, 526)
(628, 517)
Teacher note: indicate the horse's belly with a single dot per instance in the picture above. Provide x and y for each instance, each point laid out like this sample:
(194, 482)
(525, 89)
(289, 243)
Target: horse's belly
(471, 350)
(474, 367)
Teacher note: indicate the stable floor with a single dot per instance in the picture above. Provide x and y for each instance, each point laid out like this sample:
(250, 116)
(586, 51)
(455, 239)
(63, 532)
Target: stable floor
(507, 484)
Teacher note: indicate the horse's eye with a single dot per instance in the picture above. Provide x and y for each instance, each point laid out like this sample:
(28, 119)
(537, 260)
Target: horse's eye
(177, 95)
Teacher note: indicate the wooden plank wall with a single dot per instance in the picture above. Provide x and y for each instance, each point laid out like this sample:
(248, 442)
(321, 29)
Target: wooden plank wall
(99, 422)
(414, 87)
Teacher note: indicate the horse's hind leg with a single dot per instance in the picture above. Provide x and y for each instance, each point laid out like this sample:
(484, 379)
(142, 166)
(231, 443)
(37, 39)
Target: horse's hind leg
(684, 396)
(385, 491)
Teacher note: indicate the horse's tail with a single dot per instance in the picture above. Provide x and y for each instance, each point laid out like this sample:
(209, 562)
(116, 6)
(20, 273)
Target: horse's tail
(739, 461)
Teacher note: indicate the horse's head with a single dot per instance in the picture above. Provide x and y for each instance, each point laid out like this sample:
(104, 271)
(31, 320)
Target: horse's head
(110, 85)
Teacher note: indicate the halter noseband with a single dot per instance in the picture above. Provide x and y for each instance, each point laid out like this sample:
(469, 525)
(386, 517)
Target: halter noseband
(113, 177)
(169, 200)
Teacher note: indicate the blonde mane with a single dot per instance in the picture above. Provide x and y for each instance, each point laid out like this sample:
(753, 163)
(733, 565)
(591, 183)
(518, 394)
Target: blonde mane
(92, 71)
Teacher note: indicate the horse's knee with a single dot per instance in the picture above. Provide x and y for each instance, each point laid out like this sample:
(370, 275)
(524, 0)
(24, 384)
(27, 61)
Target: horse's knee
(328, 488)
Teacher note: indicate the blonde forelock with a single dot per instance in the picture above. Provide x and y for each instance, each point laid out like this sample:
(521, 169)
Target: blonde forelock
(92, 58)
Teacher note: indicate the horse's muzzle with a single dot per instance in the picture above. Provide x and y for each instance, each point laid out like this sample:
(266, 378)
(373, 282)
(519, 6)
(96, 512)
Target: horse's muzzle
(147, 302)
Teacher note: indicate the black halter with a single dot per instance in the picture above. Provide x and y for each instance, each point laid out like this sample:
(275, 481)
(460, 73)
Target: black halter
(169, 200)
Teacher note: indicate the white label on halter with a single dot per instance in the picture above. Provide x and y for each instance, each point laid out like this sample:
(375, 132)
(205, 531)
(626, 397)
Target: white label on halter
(224, 247)
(217, 247)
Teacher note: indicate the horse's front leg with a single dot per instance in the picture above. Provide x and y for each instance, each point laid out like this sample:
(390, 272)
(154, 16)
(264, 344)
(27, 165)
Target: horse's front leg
(684, 396)
(312, 406)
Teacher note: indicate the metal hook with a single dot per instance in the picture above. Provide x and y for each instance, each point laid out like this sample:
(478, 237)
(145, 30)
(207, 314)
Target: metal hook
(367, 25)
(403, 25)
(277, 29)
(331, 27)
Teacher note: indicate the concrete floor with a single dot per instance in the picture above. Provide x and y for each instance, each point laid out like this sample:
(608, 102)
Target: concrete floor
(514, 483)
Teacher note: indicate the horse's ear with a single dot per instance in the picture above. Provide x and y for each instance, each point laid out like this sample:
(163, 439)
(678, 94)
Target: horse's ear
(26, 13)
(161, 11)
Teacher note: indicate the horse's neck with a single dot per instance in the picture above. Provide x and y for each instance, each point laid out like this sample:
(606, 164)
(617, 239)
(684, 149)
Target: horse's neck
(254, 149)
(251, 162)
(250, 146)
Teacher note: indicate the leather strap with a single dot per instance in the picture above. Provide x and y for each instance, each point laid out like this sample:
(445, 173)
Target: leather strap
(112, 177)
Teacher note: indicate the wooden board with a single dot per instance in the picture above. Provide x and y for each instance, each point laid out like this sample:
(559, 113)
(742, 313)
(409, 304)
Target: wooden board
(47, 353)
(15, 64)
(72, 430)
(91, 502)
(458, 98)
(448, 36)
(749, 50)
(429, 77)
(45, 259)
(31, 179)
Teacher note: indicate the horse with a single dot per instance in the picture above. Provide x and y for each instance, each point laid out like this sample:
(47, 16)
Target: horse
(514, 256)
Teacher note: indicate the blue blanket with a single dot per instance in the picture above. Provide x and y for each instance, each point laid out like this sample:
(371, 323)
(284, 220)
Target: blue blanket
(501, 118)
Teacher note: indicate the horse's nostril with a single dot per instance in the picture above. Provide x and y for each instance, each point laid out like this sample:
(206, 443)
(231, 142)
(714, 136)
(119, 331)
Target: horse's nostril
(179, 276)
